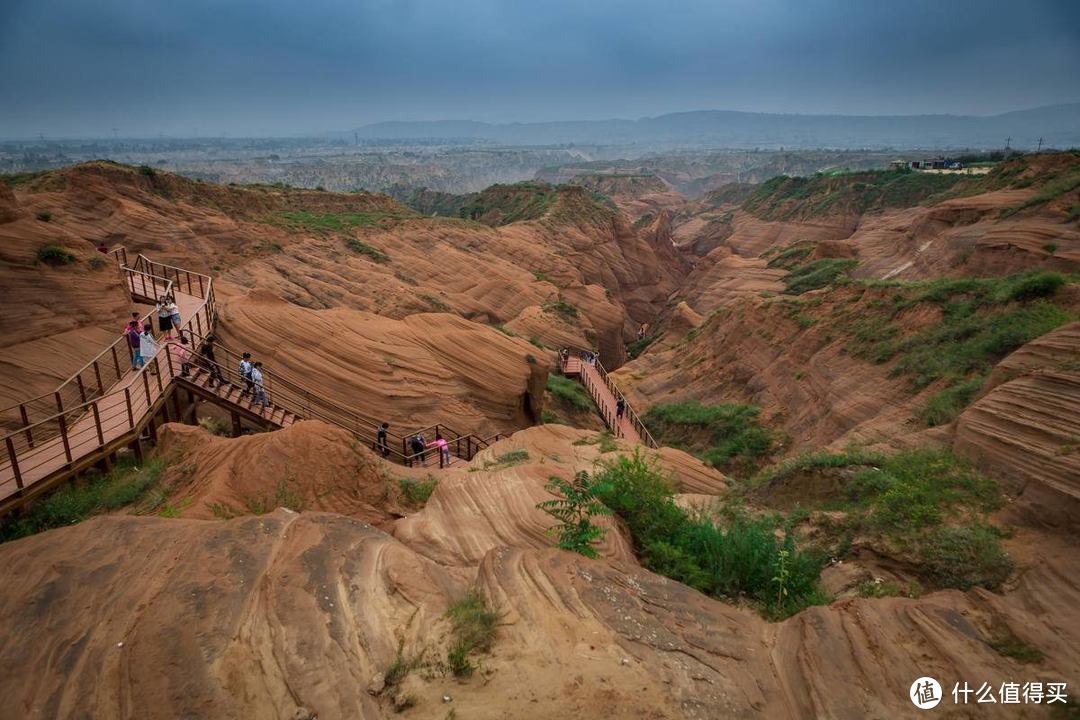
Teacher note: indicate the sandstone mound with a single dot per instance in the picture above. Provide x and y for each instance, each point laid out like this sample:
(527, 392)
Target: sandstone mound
(1027, 428)
(307, 466)
(413, 373)
(255, 617)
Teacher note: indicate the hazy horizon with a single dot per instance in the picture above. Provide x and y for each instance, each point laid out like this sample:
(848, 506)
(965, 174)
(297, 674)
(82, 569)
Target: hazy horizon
(274, 69)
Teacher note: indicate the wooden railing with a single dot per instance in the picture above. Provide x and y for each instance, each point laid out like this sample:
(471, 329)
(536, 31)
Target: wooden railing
(607, 413)
(105, 400)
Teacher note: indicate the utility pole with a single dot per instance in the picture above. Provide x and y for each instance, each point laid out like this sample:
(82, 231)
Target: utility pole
(1007, 141)
(1040, 145)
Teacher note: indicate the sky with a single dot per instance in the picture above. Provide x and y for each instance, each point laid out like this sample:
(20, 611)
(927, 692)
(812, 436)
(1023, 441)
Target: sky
(80, 68)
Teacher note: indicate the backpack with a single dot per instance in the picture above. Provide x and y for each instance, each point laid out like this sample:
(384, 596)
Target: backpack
(133, 337)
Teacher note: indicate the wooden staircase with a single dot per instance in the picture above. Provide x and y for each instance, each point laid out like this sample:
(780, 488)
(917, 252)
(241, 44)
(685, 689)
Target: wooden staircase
(107, 405)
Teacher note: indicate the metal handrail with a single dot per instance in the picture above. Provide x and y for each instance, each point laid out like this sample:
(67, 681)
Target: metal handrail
(628, 410)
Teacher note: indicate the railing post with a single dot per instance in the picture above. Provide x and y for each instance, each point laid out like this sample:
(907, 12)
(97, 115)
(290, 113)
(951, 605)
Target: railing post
(97, 374)
(97, 423)
(14, 462)
(168, 360)
(59, 402)
(64, 437)
(26, 424)
(82, 390)
(146, 385)
(131, 414)
(202, 293)
(157, 374)
(116, 361)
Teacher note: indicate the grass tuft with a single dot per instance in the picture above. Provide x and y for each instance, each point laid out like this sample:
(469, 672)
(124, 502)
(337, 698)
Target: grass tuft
(55, 255)
(474, 629)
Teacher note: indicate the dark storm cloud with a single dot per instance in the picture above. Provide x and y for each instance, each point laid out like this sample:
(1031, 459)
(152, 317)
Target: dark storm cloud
(82, 67)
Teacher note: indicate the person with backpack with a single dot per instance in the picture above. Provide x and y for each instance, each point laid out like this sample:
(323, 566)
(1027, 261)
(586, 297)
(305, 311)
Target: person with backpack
(417, 446)
(245, 374)
(148, 346)
(620, 406)
(207, 353)
(257, 385)
(134, 344)
(444, 449)
(381, 443)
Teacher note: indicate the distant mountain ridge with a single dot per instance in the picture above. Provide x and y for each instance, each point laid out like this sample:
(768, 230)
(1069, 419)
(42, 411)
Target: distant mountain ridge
(1057, 125)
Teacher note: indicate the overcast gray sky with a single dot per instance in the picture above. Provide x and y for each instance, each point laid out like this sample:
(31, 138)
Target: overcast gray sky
(259, 67)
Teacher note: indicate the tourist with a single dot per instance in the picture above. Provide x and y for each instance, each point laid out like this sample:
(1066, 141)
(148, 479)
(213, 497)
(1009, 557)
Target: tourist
(165, 313)
(148, 346)
(417, 445)
(381, 443)
(175, 317)
(620, 406)
(245, 374)
(134, 320)
(179, 349)
(257, 385)
(207, 352)
(133, 337)
(444, 449)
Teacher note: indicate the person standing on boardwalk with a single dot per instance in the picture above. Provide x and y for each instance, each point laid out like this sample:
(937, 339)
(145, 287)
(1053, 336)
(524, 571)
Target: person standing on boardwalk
(211, 362)
(164, 313)
(245, 374)
(381, 443)
(133, 321)
(417, 445)
(620, 406)
(257, 385)
(148, 346)
(134, 343)
(444, 449)
(175, 316)
(178, 349)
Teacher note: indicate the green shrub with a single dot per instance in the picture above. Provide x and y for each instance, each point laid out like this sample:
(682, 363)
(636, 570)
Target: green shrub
(43, 215)
(363, 248)
(966, 557)
(97, 262)
(550, 416)
(71, 504)
(727, 436)
(574, 507)
(1035, 285)
(147, 171)
(570, 392)
(817, 274)
(416, 492)
(946, 405)
(474, 628)
(563, 309)
(743, 558)
(55, 255)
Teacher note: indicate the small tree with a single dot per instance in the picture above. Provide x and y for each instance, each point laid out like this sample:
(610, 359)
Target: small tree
(574, 508)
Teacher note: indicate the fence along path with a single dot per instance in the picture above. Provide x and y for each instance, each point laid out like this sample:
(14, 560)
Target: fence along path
(107, 405)
(604, 392)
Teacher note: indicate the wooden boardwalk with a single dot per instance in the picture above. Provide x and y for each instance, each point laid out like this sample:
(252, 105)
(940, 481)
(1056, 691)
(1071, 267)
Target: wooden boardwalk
(108, 405)
(605, 393)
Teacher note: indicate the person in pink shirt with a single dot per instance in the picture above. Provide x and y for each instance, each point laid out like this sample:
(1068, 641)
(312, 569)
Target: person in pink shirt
(181, 353)
(444, 449)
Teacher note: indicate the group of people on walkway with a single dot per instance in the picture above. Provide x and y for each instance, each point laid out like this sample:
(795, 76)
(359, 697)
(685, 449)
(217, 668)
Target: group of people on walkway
(251, 375)
(417, 446)
(144, 346)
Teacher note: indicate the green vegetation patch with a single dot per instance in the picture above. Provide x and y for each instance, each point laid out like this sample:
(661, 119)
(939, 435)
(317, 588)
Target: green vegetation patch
(567, 312)
(322, 222)
(359, 246)
(728, 437)
(124, 485)
(1052, 190)
(743, 558)
(574, 506)
(785, 198)
(474, 629)
(927, 506)
(817, 274)
(54, 255)
(789, 257)
(570, 392)
(416, 492)
(982, 321)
